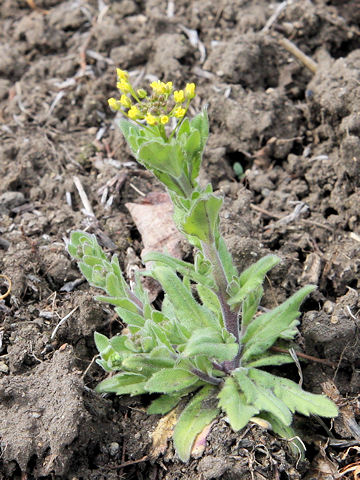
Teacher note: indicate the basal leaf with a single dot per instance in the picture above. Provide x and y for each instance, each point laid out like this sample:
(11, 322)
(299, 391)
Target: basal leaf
(123, 383)
(294, 396)
(101, 342)
(198, 413)
(163, 404)
(234, 404)
(170, 380)
(262, 398)
(267, 360)
(208, 341)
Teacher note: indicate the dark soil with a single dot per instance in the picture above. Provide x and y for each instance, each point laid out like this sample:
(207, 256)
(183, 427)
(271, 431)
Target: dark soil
(294, 130)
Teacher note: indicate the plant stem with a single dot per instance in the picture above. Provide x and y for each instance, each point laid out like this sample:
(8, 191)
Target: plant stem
(230, 317)
(205, 377)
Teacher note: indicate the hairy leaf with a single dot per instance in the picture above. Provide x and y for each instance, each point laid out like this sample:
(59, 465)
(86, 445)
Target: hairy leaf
(264, 330)
(234, 405)
(253, 277)
(170, 380)
(189, 312)
(269, 359)
(122, 383)
(198, 413)
(163, 404)
(184, 268)
(208, 341)
(202, 220)
(294, 396)
(262, 398)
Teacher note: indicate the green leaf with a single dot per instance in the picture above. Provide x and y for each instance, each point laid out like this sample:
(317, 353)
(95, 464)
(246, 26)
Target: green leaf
(123, 383)
(235, 406)
(184, 268)
(226, 259)
(253, 277)
(118, 344)
(259, 269)
(286, 432)
(124, 303)
(193, 143)
(194, 418)
(164, 157)
(130, 318)
(87, 271)
(269, 360)
(294, 396)
(208, 341)
(146, 364)
(265, 329)
(250, 305)
(210, 300)
(170, 380)
(189, 313)
(163, 404)
(184, 128)
(203, 218)
(102, 343)
(201, 123)
(262, 398)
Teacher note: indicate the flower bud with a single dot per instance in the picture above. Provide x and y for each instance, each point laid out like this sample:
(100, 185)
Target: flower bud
(141, 93)
(125, 101)
(190, 91)
(113, 104)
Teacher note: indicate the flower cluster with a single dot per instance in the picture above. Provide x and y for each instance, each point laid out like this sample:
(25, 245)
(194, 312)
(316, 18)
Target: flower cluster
(157, 107)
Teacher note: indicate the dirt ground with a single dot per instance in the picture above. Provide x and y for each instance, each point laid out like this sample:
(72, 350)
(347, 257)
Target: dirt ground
(290, 120)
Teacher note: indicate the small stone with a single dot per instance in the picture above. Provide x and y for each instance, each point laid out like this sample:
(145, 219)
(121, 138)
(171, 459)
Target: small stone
(114, 448)
(9, 200)
(4, 368)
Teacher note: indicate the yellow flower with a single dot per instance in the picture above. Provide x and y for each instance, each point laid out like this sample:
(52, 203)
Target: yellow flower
(134, 113)
(113, 104)
(123, 86)
(164, 119)
(122, 75)
(179, 112)
(179, 96)
(168, 87)
(190, 91)
(158, 87)
(161, 88)
(150, 119)
(125, 101)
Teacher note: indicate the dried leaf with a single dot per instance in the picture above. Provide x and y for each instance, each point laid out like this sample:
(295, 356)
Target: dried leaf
(200, 441)
(163, 432)
(154, 221)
